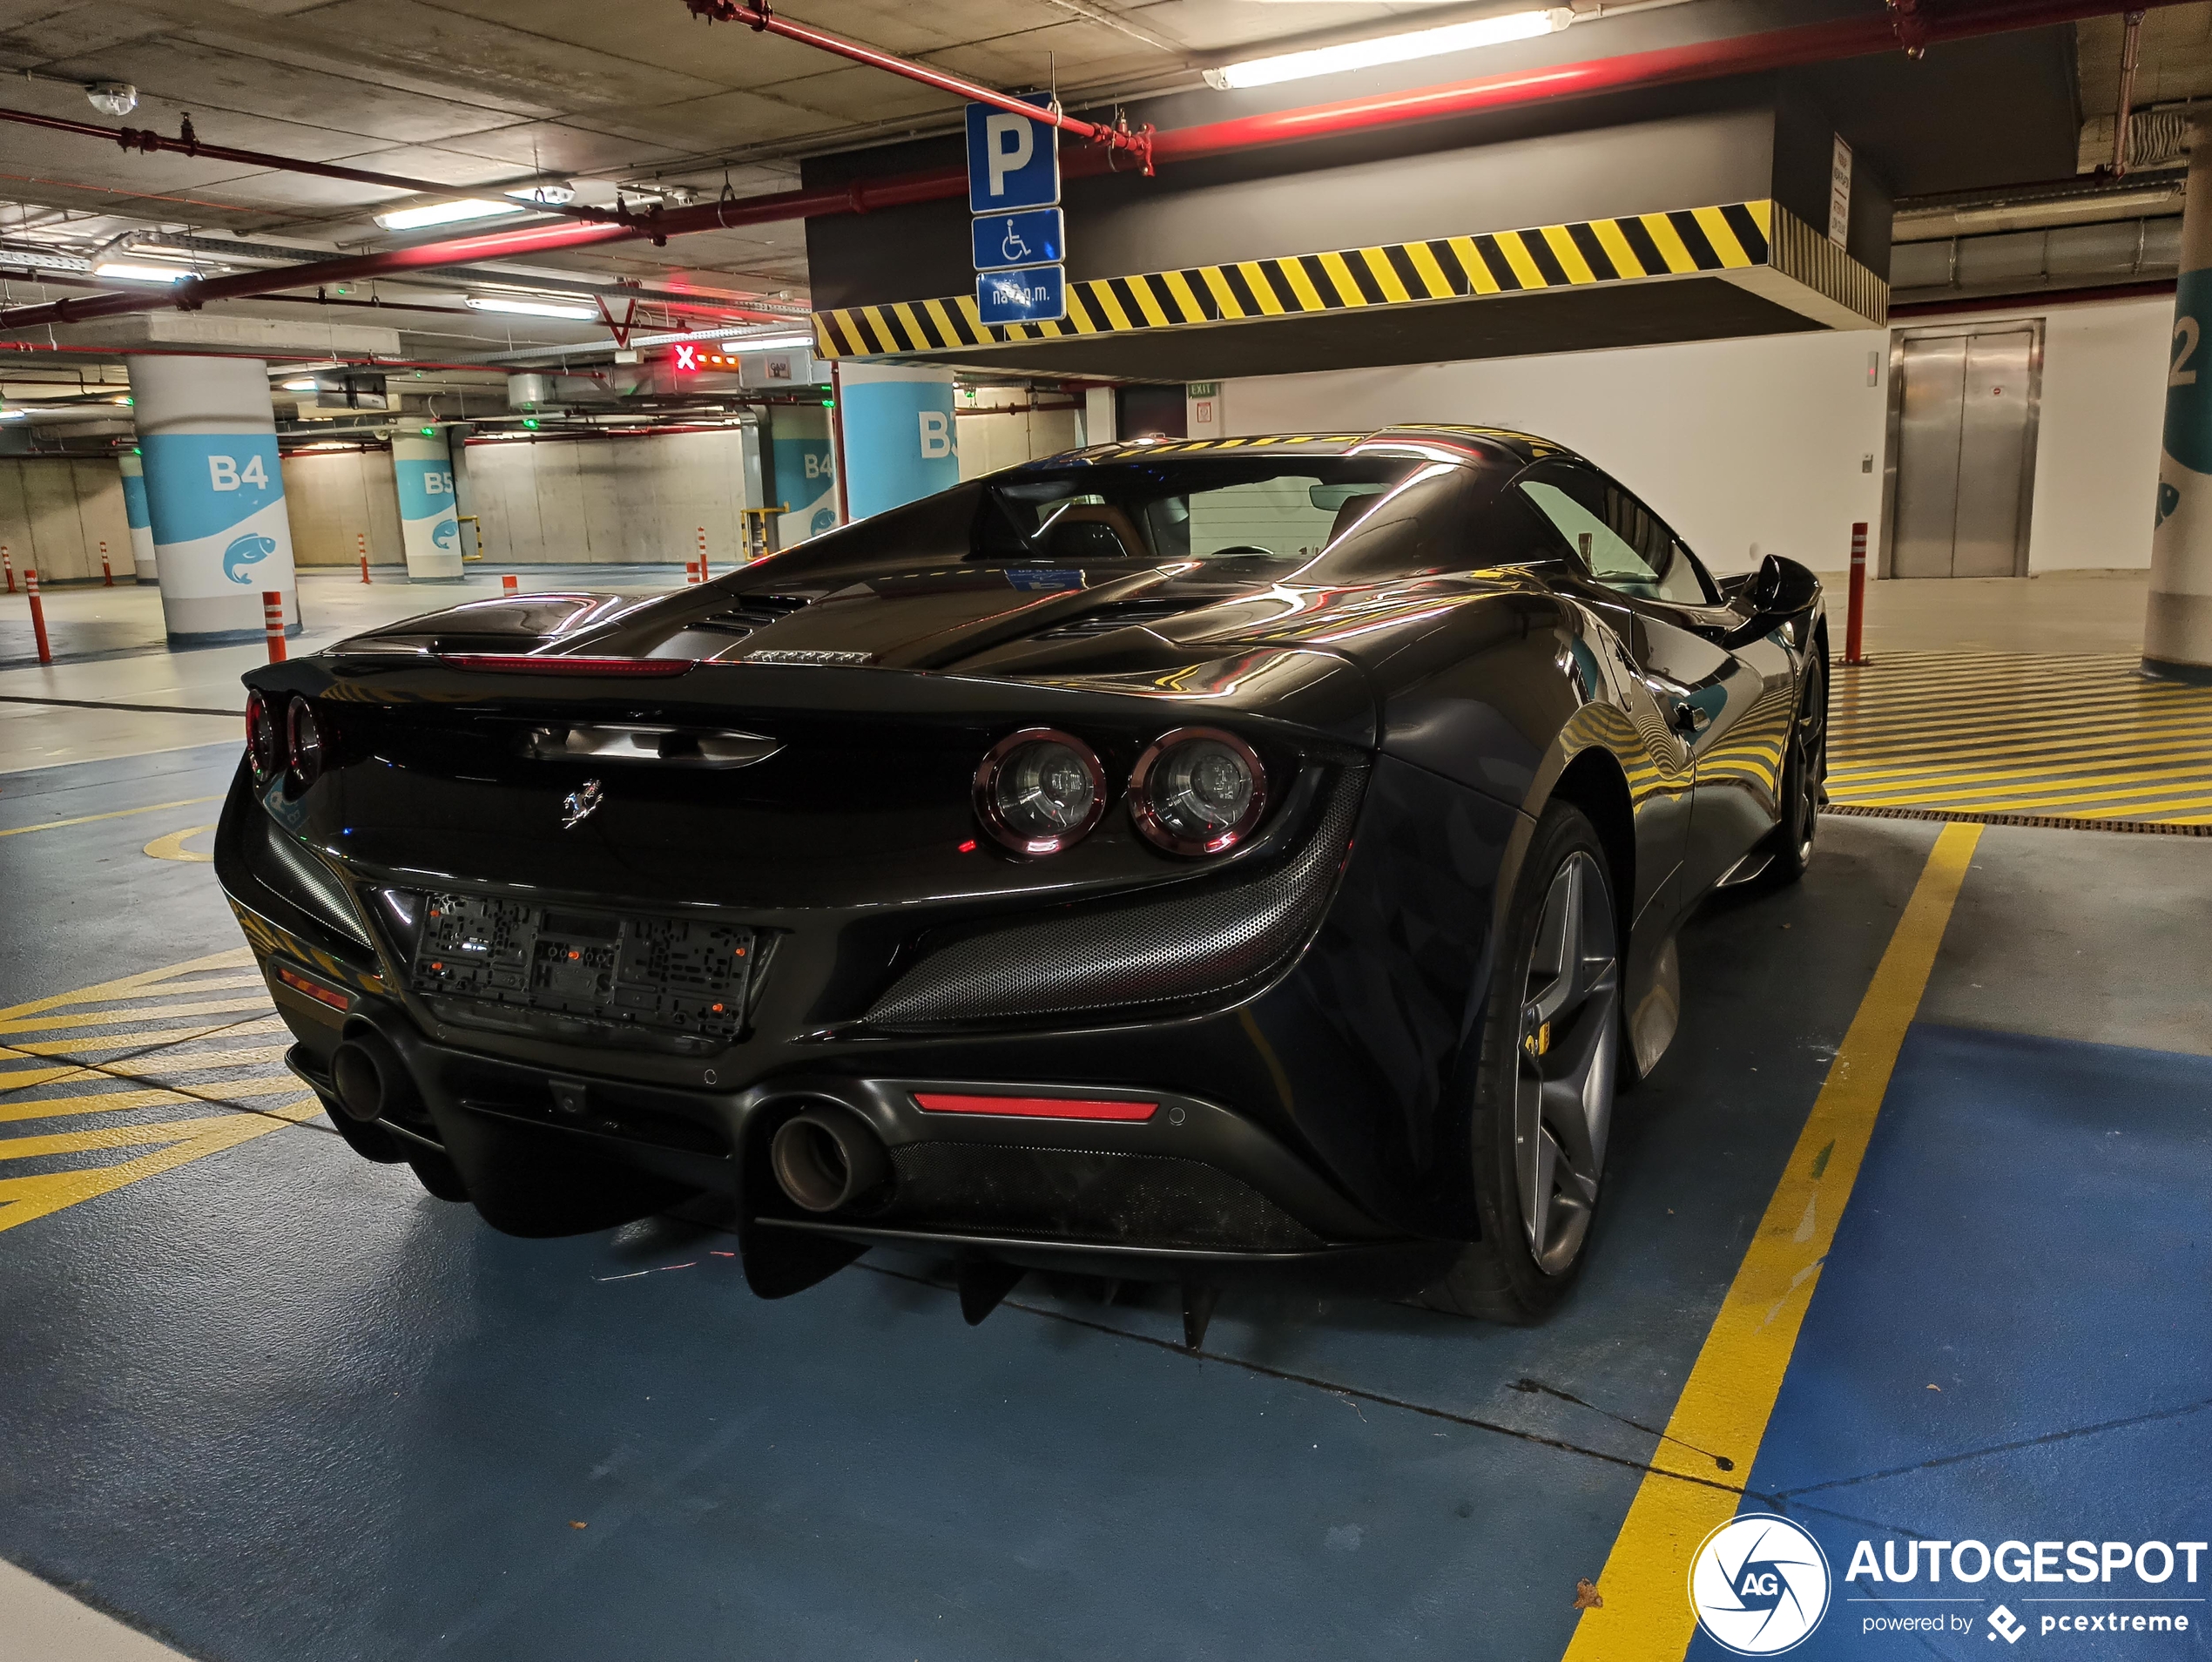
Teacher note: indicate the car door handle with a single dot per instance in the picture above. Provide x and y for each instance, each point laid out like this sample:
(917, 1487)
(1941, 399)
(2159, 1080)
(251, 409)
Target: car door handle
(1688, 719)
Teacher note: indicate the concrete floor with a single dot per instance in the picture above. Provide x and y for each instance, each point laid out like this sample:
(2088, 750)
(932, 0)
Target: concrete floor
(269, 1401)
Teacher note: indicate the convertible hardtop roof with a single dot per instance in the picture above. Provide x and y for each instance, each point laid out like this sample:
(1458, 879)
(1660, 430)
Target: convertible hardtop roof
(1502, 443)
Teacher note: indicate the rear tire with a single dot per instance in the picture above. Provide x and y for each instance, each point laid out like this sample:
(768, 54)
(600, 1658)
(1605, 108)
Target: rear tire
(1550, 1060)
(1804, 772)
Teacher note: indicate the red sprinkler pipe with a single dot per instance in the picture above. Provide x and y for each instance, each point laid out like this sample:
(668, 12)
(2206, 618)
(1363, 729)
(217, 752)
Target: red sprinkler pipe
(759, 17)
(1906, 26)
(189, 143)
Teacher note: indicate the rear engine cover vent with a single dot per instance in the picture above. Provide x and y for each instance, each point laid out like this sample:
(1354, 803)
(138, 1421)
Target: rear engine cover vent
(754, 611)
(1120, 615)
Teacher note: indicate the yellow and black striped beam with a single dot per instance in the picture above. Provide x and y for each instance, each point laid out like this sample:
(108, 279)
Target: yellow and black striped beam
(1735, 240)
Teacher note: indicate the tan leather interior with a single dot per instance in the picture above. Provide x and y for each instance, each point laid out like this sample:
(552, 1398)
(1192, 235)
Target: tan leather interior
(1082, 532)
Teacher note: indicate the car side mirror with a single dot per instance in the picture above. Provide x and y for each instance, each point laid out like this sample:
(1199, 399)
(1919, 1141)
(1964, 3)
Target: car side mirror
(1780, 590)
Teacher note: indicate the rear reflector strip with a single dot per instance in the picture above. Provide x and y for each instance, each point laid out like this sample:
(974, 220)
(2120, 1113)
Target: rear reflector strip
(528, 663)
(1036, 1107)
(314, 990)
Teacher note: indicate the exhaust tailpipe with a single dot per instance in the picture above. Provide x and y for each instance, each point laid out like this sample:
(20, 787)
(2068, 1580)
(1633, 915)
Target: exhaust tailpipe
(826, 1158)
(370, 1079)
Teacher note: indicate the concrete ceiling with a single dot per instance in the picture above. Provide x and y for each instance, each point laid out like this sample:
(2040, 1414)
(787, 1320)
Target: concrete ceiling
(482, 95)
(636, 95)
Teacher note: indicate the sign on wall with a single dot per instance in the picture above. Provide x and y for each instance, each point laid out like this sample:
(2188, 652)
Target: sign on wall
(1839, 194)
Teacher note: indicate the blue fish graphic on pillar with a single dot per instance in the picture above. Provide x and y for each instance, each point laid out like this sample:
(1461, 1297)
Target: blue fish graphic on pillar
(245, 551)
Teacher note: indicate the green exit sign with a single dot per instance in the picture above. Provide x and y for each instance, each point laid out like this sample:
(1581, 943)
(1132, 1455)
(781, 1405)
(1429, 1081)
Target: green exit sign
(1203, 390)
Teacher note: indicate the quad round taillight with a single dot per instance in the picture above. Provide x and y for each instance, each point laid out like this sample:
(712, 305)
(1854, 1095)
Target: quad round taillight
(304, 745)
(1197, 791)
(1039, 790)
(264, 752)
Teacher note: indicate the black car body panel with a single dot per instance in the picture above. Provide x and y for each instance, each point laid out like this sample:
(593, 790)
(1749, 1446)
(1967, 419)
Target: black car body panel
(778, 767)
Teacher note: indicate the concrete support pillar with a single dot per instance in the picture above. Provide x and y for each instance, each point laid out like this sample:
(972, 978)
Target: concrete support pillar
(214, 494)
(134, 510)
(429, 525)
(899, 438)
(2177, 632)
(801, 473)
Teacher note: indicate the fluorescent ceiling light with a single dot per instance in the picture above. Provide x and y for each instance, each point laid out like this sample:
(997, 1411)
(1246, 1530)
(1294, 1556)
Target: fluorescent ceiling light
(1392, 49)
(446, 213)
(139, 274)
(530, 308)
(302, 386)
(767, 342)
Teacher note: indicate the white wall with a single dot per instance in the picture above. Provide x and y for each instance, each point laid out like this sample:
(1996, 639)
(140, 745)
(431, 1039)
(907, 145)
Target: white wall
(1760, 442)
(334, 499)
(989, 443)
(55, 511)
(636, 499)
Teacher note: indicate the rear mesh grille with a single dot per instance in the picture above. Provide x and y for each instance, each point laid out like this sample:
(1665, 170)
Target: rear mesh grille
(1088, 1195)
(1206, 942)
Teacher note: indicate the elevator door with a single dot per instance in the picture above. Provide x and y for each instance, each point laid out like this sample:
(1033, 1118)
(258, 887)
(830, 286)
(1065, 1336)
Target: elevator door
(1965, 456)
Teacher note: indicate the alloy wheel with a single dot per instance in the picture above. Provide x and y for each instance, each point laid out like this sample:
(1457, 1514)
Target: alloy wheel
(1569, 1051)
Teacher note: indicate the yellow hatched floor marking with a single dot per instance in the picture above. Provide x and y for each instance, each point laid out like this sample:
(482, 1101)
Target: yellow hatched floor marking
(24, 1049)
(22, 1200)
(109, 1102)
(1731, 1391)
(138, 1013)
(2009, 733)
(39, 1194)
(156, 1062)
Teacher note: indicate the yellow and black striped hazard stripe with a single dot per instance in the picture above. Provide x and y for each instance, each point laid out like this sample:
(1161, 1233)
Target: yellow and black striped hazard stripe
(2079, 738)
(1632, 247)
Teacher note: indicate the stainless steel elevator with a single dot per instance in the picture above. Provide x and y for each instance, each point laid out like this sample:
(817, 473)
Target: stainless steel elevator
(1963, 408)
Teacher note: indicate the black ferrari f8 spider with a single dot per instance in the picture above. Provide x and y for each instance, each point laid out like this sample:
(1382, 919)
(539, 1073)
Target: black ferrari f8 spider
(1157, 861)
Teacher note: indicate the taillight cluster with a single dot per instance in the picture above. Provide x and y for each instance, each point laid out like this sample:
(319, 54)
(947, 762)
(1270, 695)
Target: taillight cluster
(1193, 791)
(296, 745)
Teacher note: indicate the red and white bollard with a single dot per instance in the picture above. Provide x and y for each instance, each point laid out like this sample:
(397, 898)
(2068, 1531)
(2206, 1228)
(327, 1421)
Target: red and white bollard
(1854, 631)
(273, 619)
(702, 553)
(507, 585)
(9, 566)
(107, 571)
(691, 571)
(361, 541)
(37, 615)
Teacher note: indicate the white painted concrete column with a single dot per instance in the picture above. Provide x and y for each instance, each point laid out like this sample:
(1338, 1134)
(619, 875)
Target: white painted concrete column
(429, 524)
(214, 494)
(134, 510)
(2177, 632)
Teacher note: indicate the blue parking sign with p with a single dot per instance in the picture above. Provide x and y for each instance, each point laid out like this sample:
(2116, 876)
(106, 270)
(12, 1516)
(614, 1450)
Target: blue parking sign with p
(1012, 162)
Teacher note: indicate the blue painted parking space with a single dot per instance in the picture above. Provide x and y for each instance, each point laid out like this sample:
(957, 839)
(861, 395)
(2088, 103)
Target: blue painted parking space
(2008, 1345)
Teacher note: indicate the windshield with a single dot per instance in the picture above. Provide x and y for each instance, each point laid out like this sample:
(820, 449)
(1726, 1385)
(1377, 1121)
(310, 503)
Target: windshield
(1181, 510)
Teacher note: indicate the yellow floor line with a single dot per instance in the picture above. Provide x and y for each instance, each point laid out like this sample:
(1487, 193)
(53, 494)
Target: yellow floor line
(119, 813)
(113, 1017)
(123, 987)
(139, 1067)
(109, 1102)
(1731, 1391)
(26, 1049)
(25, 1198)
(170, 1130)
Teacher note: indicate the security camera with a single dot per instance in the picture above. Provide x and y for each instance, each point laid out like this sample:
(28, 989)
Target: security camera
(112, 98)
